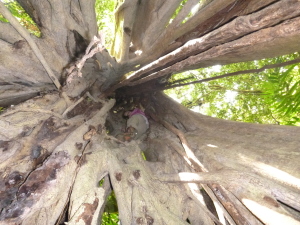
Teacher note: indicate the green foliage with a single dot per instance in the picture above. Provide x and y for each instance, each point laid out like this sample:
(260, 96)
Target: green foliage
(283, 89)
(194, 9)
(110, 215)
(105, 19)
(271, 96)
(101, 182)
(21, 15)
(178, 10)
(2, 19)
(110, 218)
(104, 13)
(143, 155)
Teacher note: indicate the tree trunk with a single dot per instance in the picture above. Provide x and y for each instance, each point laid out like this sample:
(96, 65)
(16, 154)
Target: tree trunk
(60, 168)
(247, 159)
(58, 164)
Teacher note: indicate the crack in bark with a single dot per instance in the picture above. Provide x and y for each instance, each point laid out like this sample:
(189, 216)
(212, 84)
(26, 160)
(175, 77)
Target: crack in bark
(26, 178)
(74, 178)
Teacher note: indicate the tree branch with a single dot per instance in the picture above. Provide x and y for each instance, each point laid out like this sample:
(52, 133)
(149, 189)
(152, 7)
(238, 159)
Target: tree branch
(271, 66)
(203, 48)
(219, 53)
(8, 33)
(160, 20)
(184, 12)
(75, 70)
(154, 49)
(24, 33)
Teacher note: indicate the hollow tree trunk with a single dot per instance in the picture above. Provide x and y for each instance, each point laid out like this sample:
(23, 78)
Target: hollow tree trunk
(51, 164)
(53, 156)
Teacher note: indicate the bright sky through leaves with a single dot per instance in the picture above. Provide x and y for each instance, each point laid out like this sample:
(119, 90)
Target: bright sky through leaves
(271, 96)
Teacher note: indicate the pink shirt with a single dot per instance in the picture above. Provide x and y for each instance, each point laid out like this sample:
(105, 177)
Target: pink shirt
(136, 111)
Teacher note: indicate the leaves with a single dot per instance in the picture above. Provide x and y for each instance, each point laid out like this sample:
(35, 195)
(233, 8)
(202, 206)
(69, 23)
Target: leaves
(110, 218)
(105, 18)
(271, 96)
(25, 20)
(110, 215)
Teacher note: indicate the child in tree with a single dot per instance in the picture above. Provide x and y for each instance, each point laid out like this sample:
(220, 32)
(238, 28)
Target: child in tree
(137, 124)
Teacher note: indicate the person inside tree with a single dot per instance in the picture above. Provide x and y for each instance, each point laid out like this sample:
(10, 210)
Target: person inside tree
(137, 124)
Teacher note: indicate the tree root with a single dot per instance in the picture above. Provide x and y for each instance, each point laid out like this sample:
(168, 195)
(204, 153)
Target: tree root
(33, 110)
(220, 193)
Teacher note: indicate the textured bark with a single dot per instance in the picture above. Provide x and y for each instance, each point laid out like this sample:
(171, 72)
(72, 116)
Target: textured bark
(54, 153)
(162, 37)
(248, 156)
(41, 157)
(259, 35)
(67, 29)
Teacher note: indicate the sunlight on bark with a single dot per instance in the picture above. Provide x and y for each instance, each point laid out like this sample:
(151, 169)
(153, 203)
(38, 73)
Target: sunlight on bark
(268, 215)
(189, 176)
(212, 146)
(273, 172)
(195, 190)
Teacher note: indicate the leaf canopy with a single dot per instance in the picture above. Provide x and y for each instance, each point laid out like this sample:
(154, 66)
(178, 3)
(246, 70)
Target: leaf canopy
(271, 96)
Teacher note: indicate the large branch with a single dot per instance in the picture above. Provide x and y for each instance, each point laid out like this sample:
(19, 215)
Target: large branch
(8, 33)
(261, 44)
(161, 18)
(232, 31)
(237, 8)
(172, 32)
(32, 44)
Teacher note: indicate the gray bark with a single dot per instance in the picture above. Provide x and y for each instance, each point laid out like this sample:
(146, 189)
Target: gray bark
(271, 31)
(55, 152)
(250, 178)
